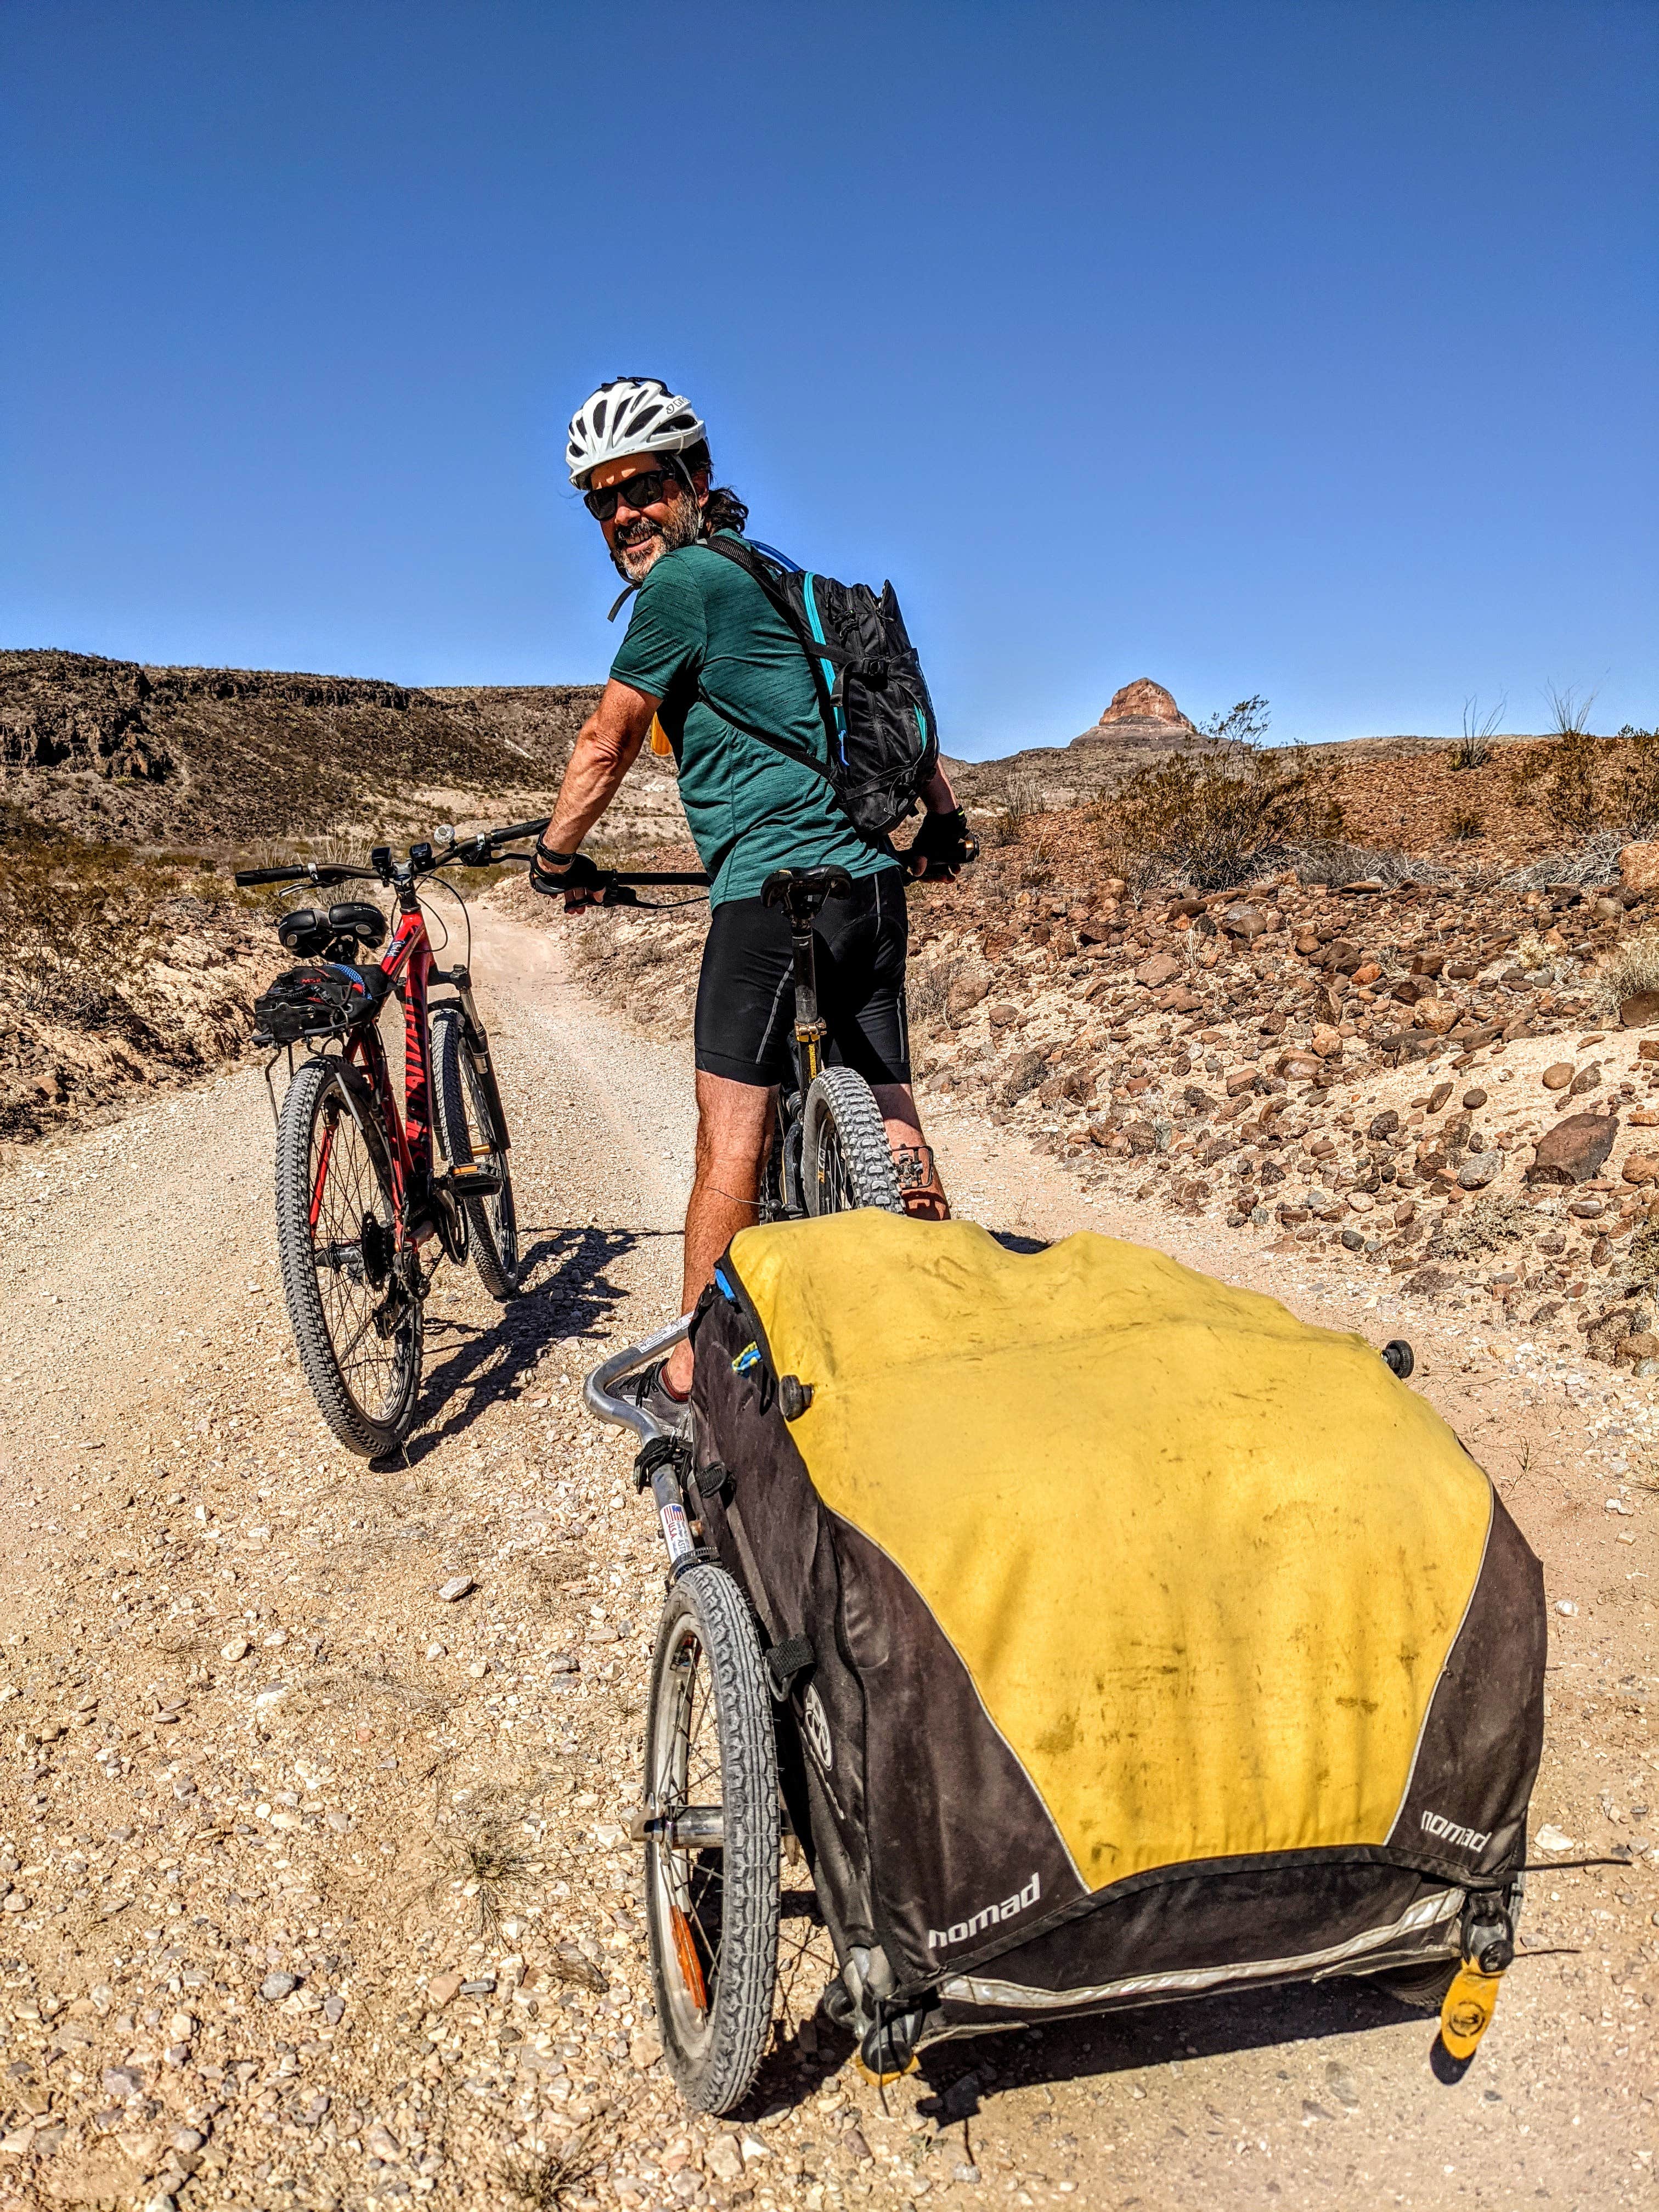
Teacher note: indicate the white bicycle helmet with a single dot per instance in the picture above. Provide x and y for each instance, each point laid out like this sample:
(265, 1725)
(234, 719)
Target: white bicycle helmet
(630, 415)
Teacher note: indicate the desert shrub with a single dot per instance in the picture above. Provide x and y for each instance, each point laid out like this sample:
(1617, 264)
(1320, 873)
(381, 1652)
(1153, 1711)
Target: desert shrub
(1018, 802)
(1481, 1226)
(1636, 785)
(1224, 805)
(1474, 749)
(1571, 777)
(1465, 824)
(1633, 970)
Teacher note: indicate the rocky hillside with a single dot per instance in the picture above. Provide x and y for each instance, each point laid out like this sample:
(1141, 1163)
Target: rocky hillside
(1452, 1080)
(127, 794)
(215, 757)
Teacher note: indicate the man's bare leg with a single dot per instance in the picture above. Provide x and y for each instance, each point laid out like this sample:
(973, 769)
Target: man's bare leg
(734, 1121)
(919, 1183)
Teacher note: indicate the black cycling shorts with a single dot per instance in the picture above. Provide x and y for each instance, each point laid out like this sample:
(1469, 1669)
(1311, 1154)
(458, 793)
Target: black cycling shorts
(746, 992)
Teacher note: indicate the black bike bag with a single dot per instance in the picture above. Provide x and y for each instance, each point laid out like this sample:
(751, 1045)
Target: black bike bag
(325, 998)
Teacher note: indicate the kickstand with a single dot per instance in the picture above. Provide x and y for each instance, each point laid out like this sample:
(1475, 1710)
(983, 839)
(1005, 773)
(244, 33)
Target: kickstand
(271, 1088)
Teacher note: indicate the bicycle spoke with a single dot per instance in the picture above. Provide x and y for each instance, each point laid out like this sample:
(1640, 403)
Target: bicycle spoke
(347, 1201)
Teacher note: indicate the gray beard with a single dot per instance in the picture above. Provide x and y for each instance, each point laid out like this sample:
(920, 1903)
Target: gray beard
(683, 527)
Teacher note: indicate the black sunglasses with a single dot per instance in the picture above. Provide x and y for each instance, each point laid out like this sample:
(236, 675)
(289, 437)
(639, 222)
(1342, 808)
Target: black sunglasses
(638, 492)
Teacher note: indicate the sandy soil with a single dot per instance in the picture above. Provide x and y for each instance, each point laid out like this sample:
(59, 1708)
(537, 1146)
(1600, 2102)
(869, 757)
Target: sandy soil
(318, 1891)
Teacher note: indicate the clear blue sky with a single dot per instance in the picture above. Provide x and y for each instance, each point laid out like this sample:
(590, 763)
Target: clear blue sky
(1307, 350)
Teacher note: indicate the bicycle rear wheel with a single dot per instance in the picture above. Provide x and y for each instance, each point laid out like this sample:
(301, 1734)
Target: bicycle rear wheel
(467, 1136)
(846, 1160)
(712, 1872)
(357, 1327)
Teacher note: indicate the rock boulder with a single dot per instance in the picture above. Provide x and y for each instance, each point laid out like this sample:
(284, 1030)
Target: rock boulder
(1574, 1150)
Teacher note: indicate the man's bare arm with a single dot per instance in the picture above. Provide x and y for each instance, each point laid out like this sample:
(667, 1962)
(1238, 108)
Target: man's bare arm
(606, 747)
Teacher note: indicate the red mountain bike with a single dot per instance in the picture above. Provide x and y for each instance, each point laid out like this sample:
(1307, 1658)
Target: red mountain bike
(361, 1187)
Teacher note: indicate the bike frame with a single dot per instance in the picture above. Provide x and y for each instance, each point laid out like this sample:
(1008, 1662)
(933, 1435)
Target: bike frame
(409, 962)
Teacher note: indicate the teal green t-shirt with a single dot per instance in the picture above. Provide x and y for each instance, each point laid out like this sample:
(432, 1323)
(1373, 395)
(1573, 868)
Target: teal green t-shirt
(699, 619)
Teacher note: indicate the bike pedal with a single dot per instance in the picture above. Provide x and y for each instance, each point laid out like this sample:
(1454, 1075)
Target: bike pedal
(477, 1181)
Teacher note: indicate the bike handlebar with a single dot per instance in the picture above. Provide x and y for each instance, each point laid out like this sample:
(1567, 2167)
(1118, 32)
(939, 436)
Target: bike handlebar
(313, 871)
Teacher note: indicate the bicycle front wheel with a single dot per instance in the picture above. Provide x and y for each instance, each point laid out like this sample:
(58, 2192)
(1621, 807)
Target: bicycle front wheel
(356, 1325)
(846, 1160)
(712, 1874)
(468, 1137)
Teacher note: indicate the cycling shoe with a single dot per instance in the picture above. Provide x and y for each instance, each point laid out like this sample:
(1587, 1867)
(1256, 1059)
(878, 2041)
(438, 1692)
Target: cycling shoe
(644, 1389)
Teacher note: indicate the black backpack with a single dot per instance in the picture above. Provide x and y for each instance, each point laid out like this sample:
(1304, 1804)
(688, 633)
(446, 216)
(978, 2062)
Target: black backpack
(883, 741)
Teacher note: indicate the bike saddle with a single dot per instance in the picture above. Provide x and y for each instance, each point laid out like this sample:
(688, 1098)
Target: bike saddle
(306, 932)
(802, 892)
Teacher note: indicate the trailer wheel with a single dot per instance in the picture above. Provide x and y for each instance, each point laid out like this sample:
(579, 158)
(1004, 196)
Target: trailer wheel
(711, 1849)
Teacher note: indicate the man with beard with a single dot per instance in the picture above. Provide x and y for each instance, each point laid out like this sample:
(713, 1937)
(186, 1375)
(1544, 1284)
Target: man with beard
(703, 630)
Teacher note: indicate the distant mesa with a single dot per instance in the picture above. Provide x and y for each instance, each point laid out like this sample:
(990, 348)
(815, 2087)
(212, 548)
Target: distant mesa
(1141, 711)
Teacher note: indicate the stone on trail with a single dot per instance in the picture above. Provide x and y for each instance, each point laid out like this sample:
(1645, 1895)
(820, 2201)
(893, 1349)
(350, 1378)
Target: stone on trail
(276, 1986)
(1638, 867)
(1574, 1150)
(1556, 1075)
(1549, 1837)
(458, 1586)
(1640, 1168)
(1640, 1011)
(1162, 968)
(1479, 1169)
(723, 2158)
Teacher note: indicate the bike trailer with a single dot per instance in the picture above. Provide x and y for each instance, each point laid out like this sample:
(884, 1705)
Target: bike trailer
(1142, 1639)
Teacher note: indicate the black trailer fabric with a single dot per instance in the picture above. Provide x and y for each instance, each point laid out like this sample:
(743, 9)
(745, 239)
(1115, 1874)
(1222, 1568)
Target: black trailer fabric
(1153, 1632)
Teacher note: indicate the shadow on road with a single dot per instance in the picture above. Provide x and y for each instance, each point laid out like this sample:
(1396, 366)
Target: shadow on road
(571, 1292)
(963, 2077)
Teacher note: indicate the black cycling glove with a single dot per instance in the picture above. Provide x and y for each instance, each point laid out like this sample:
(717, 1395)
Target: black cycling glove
(578, 883)
(945, 843)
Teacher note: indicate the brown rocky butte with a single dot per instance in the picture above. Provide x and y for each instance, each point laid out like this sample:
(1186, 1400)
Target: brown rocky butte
(1144, 702)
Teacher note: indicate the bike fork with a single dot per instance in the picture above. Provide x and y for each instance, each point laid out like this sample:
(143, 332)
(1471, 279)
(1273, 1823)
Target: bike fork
(476, 1036)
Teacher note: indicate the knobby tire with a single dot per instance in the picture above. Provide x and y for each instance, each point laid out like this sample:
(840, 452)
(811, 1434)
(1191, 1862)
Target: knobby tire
(465, 1129)
(337, 1278)
(709, 1742)
(846, 1160)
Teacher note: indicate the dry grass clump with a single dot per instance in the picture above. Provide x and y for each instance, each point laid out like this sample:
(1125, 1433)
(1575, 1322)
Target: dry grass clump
(1633, 970)
(491, 1861)
(549, 2180)
(1465, 824)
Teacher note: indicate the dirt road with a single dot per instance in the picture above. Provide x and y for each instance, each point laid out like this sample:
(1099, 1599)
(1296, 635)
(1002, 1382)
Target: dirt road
(317, 1894)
